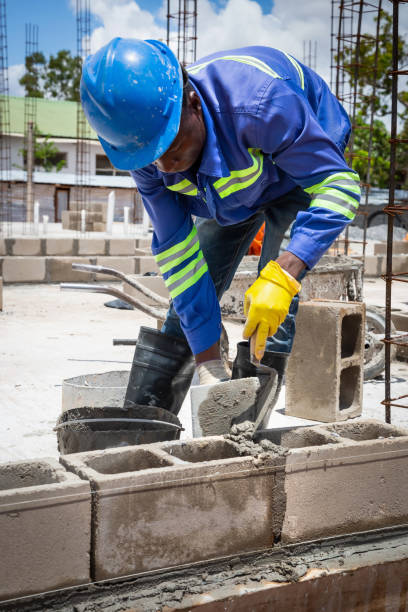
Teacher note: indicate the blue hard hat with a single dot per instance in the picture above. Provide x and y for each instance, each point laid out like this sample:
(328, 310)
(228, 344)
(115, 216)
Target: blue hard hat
(132, 94)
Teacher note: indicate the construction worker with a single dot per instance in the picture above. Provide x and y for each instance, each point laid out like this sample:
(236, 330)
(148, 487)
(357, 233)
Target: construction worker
(241, 138)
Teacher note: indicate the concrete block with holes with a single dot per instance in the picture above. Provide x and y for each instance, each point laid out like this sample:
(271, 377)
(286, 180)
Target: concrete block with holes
(157, 506)
(324, 379)
(357, 484)
(45, 528)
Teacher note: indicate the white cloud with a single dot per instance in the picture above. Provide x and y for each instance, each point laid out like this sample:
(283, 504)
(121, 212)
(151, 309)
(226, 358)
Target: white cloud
(238, 23)
(15, 72)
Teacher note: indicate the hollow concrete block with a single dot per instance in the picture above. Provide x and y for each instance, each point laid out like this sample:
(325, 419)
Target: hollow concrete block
(18, 269)
(45, 528)
(26, 246)
(123, 264)
(355, 485)
(91, 246)
(324, 379)
(59, 246)
(122, 246)
(160, 508)
(146, 264)
(59, 269)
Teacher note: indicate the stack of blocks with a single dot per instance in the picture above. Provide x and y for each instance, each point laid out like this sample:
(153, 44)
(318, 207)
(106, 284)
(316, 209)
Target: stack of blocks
(122, 511)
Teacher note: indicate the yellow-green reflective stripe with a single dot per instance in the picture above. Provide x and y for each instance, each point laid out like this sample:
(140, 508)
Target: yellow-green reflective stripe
(175, 262)
(337, 177)
(298, 68)
(185, 187)
(177, 247)
(336, 193)
(177, 275)
(334, 207)
(240, 179)
(239, 173)
(191, 281)
(244, 59)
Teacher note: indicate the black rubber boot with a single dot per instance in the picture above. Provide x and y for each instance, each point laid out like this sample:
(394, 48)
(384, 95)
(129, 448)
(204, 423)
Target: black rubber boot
(161, 373)
(243, 368)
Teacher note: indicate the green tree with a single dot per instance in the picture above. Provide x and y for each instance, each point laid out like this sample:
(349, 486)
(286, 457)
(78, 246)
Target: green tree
(34, 75)
(47, 156)
(366, 61)
(380, 152)
(56, 78)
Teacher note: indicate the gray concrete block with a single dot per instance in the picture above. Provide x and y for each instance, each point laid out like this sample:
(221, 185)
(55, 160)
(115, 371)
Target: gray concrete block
(23, 269)
(398, 247)
(324, 379)
(154, 283)
(59, 246)
(59, 270)
(121, 246)
(213, 407)
(144, 243)
(376, 265)
(3, 248)
(26, 246)
(91, 246)
(196, 501)
(146, 264)
(124, 264)
(99, 226)
(45, 528)
(337, 489)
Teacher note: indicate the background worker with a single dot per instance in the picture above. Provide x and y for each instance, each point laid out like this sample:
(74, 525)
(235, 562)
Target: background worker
(244, 137)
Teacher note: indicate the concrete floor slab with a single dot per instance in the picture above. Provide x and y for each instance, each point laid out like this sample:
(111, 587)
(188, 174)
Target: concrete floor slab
(48, 335)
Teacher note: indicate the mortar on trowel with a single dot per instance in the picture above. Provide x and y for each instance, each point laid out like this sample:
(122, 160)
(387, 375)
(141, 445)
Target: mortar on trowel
(218, 407)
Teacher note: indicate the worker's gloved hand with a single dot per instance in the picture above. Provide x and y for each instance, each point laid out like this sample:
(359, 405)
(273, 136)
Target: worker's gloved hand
(210, 372)
(267, 303)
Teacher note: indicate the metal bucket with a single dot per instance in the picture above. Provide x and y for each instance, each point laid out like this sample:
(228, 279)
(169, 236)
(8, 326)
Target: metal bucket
(88, 429)
(95, 390)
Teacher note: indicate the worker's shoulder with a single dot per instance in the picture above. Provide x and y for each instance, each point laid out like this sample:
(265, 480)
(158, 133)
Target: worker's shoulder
(235, 80)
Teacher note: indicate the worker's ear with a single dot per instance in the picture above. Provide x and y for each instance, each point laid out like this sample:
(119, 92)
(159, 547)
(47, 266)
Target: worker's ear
(194, 101)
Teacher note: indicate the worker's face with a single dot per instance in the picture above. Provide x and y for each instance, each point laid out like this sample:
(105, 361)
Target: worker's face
(186, 148)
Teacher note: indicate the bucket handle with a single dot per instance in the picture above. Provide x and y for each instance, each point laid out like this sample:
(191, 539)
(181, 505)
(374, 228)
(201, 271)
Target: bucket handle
(75, 421)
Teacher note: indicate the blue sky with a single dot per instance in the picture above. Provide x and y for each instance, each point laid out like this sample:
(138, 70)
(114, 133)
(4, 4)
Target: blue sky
(57, 24)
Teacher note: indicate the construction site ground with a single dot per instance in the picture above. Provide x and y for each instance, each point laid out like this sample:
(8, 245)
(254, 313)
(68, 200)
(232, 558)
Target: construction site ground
(47, 336)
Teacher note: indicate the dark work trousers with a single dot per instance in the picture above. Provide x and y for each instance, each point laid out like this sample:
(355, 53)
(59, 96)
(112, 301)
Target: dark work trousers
(225, 246)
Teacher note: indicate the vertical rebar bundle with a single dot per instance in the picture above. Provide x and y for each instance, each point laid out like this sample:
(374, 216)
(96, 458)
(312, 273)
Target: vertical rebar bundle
(83, 143)
(30, 116)
(5, 150)
(310, 53)
(182, 29)
(348, 19)
(393, 209)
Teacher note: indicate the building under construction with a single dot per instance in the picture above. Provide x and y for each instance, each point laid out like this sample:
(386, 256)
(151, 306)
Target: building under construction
(274, 489)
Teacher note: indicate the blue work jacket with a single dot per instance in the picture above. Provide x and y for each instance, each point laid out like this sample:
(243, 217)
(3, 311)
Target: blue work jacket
(271, 124)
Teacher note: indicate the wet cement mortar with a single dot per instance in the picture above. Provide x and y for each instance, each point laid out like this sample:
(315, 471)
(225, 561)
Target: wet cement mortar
(167, 590)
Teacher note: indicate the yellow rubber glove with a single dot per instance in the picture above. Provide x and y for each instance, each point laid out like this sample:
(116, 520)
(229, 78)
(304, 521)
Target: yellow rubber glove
(267, 303)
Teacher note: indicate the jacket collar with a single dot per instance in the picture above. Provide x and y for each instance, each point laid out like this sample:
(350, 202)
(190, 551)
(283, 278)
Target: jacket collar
(212, 160)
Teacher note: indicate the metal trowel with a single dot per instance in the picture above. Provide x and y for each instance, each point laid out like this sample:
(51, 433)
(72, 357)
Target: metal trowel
(268, 396)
